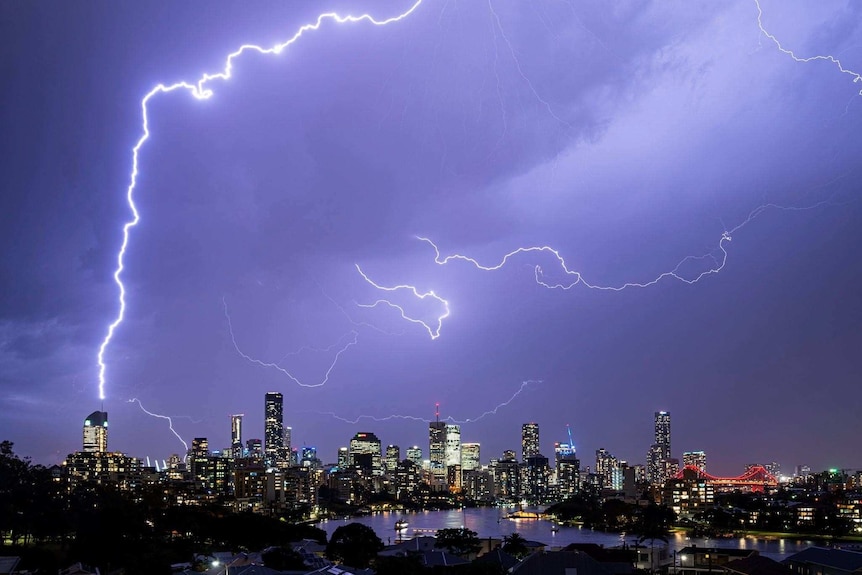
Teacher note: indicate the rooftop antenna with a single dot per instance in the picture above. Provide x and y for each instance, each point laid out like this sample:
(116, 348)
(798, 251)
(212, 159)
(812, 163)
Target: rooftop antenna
(437, 411)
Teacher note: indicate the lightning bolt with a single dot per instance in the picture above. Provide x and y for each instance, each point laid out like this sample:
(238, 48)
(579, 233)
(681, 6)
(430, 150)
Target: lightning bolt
(168, 418)
(200, 91)
(433, 330)
(857, 77)
(354, 339)
(450, 419)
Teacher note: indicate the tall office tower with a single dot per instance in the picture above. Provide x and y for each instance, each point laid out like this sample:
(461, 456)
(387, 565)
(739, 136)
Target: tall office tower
(254, 448)
(236, 435)
(529, 440)
(414, 454)
(365, 453)
(437, 449)
(606, 468)
(662, 432)
(773, 468)
(393, 457)
(96, 432)
(273, 427)
(343, 457)
(695, 458)
(453, 445)
(470, 457)
(199, 454)
(654, 465)
(287, 453)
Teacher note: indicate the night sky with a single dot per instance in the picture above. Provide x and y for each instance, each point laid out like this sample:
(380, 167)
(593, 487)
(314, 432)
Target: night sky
(627, 136)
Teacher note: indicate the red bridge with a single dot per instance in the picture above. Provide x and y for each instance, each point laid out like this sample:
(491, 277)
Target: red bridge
(757, 478)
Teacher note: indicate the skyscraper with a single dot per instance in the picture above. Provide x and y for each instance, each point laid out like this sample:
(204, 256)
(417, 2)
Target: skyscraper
(414, 454)
(662, 432)
(453, 445)
(529, 440)
(96, 432)
(470, 457)
(273, 427)
(365, 453)
(659, 452)
(437, 449)
(695, 458)
(236, 435)
(393, 457)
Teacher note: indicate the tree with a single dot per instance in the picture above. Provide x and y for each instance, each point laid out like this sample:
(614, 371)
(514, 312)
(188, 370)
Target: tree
(354, 545)
(460, 541)
(654, 523)
(515, 545)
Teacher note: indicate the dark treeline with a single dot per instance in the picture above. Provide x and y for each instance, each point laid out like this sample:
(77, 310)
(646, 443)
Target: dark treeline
(52, 525)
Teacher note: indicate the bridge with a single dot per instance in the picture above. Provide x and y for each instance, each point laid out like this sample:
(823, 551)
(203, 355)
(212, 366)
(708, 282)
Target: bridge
(756, 479)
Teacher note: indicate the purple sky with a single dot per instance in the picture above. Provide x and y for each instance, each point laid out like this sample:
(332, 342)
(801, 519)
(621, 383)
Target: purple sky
(627, 136)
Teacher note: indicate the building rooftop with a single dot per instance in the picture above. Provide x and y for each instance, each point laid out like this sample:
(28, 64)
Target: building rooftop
(840, 559)
(757, 565)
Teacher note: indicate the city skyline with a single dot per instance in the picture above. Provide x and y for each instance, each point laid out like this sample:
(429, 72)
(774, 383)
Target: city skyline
(565, 214)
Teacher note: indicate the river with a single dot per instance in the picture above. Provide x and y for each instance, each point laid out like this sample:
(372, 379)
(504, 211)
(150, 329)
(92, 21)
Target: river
(491, 522)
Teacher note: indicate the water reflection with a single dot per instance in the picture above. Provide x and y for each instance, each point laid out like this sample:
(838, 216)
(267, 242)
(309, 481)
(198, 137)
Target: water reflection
(492, 522)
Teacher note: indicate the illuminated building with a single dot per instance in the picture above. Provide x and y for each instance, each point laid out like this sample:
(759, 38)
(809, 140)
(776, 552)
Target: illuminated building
(254, 448)
(529, 440)
(453, 477)
(343, 457)
(453, 445)
(694, 459)
(536, 479)
(365, 453)
(477, 484)
(568, 469)
(659, 453)
(96, 432)
(688, 494)
(470, 457)
(287, 455)
(407, 477)
(105, 468)
(309, 457)
(507, 476)
(609, 470)
(662, 432)
(393, 456)
(236, 435)
(273, 427)
(414, 454)
(437, 449)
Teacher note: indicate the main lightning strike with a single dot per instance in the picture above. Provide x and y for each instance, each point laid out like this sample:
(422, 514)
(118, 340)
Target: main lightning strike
(450, 419)
(354, 339)
(200, 91)
(433, 331)
(857, 77)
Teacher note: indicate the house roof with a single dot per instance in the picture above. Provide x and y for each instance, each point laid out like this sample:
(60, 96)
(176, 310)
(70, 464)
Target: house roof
(9, 564)
(417, 544)
(498, 557)
(840, 559)
(440, 557)
(757, 565)
(692, 549)
(557, 562)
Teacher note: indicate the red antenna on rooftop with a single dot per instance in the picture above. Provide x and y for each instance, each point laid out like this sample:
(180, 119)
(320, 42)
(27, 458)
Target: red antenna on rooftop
(437, 410)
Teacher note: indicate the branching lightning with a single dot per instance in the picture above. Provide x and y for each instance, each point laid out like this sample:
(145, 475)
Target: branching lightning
(450, 419)
(200, 91)
(169, 419)
(352, 339)
(718, 262)
(432, 329)
(857, 77)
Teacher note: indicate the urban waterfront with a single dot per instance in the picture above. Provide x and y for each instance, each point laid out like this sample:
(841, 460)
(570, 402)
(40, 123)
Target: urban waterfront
(492, 522)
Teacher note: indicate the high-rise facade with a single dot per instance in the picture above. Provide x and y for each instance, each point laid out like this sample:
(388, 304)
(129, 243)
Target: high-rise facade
(273, 427)
(393, 456)
(453, 445)
(662, 432)
(695, 458)
(658, 457)
(96, 432)
(365, 453)
(470, 457)
(414, 454)
(437, 449)
(529, 440)
(236, 435)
